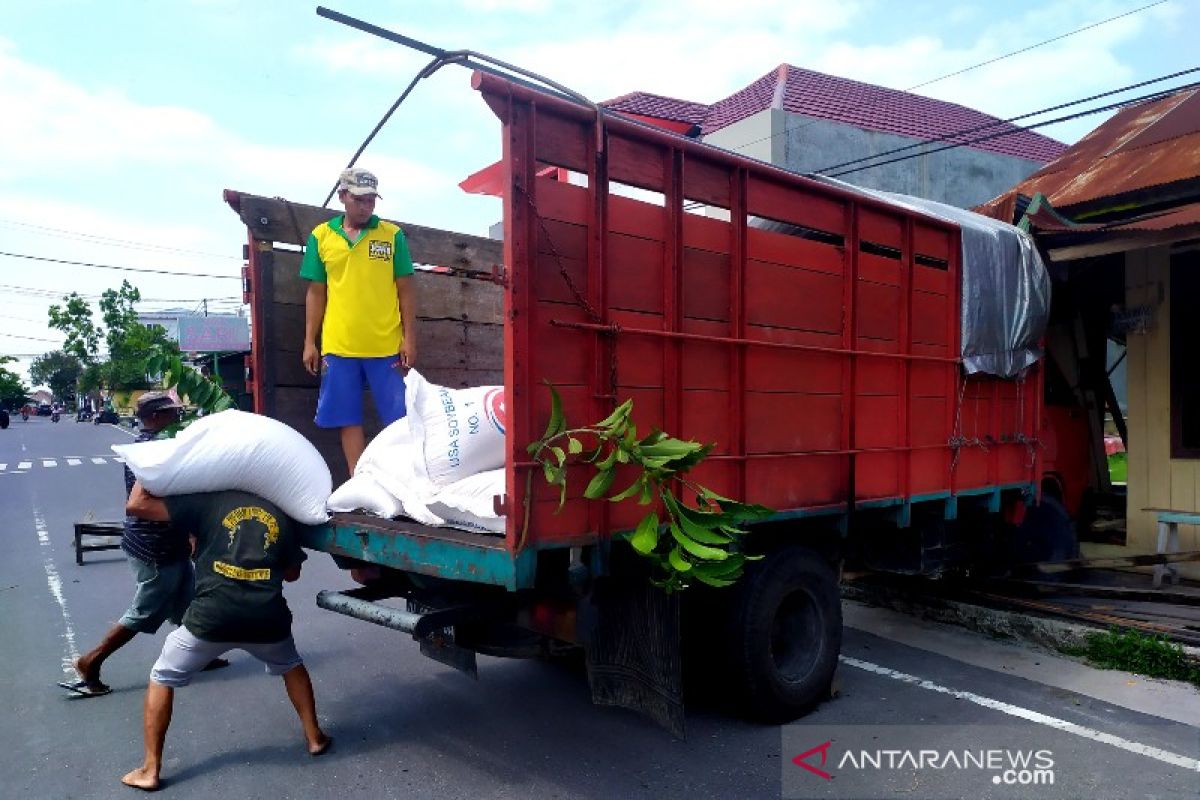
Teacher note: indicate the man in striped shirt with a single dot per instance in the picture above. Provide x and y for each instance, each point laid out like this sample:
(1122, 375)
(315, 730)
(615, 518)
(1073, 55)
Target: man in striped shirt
(160, 557)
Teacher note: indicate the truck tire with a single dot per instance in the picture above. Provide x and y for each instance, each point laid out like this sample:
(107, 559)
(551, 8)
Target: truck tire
(786, 634)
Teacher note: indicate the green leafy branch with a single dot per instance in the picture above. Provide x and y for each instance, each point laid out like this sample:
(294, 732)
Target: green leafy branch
(205, 395)
(685, 543)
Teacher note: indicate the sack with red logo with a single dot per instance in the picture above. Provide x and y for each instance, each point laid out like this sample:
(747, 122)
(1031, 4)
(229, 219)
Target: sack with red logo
(462, 429)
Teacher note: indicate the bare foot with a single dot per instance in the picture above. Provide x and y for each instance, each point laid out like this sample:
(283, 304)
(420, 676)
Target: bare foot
(83, 669)
(321, 745)
(141, 778)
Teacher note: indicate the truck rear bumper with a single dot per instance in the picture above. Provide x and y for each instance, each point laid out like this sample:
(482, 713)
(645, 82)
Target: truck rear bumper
(410, 547)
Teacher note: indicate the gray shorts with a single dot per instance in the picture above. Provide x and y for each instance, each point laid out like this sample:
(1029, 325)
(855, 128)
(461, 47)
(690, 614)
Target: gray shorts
(163, 594)
(183, 655)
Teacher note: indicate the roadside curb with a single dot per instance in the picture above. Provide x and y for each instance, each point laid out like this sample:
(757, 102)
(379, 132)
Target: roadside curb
(1053, 634)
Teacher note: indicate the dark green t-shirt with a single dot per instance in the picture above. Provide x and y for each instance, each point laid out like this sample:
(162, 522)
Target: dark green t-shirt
(244, 545)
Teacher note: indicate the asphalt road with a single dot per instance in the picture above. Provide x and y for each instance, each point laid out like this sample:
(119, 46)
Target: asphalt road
(408, 727)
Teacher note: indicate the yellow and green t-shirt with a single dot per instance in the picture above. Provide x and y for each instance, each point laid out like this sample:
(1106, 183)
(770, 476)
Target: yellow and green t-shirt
(362, 315)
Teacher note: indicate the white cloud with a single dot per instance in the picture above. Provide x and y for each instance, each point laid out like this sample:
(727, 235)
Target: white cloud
(65, 141)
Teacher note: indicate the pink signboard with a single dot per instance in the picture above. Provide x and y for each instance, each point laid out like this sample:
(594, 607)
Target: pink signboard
(216, 334)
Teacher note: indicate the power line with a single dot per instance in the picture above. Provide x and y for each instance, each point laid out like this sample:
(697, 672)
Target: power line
(58, 294)
(30, 338)
(1026, 49)
(122, 269)
(978, 128)
(1019, 129)
(113, 241)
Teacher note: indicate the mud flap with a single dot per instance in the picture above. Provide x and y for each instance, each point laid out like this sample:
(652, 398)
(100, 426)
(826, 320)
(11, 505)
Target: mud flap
(630, 632)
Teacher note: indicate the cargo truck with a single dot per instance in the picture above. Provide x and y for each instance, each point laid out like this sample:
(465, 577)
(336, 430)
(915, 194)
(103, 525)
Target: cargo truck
(813, 333)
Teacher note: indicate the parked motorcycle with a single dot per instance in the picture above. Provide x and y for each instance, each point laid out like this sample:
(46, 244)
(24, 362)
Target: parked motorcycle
(83, 415)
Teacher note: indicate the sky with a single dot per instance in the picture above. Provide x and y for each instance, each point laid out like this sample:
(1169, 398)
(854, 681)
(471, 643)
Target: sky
(124, 120)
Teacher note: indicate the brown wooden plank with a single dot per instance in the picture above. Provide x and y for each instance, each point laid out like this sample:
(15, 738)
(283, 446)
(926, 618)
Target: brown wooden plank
(442, 345)
(279, 220)
(439, 296)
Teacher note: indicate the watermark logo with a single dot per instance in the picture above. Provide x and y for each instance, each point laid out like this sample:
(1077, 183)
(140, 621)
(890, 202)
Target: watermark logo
(945, 761)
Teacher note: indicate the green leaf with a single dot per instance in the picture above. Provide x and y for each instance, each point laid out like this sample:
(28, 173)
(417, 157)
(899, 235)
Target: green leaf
(619, 414)
(559, 454)
(628, 492)
(599, 484)
(557, 422)
(737, 513)
(645, 538)
(702, 533)
(722, 569)
(719, 583)
(562, 494)
(226, 402)
(609, 461)
(574, 446)
(647, 494)
(550, 472)
(677, 560)
(204, 393)
(654, 437)
(695, 548)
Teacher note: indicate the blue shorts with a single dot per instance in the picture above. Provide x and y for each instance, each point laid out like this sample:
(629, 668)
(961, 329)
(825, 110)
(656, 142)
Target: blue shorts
(340, 403)
(163, 594)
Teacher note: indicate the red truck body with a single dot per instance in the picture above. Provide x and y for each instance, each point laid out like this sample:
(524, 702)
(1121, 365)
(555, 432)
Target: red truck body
(824, 364)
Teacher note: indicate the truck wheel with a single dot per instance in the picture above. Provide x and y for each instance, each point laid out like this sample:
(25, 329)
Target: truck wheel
(787, 633)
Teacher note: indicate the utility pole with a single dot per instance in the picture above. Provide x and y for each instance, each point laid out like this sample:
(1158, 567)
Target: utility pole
(205, 302)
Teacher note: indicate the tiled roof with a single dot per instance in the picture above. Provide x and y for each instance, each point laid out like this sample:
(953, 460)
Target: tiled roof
(862, 105)
(656, 105)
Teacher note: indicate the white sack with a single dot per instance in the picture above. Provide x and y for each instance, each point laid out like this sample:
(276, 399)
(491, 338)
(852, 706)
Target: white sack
(395, 461)
(462, 429)
(363, 492)
(470, 503)
(236, 450)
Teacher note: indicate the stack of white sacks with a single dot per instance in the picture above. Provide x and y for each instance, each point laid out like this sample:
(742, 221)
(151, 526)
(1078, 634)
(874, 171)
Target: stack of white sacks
(443, 464)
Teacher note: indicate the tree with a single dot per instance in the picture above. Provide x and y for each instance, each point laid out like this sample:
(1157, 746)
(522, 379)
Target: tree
(74, 318)
(58, 370)
(129, 342)
(12, 390)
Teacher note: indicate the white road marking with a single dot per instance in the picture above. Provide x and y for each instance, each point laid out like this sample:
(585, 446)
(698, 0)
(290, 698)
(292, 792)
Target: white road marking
(1033, 716)
(55, 583)
(118, 459)
(73, 462)
(98, 460)
(3, 467)
(25, 465)
(49, 462)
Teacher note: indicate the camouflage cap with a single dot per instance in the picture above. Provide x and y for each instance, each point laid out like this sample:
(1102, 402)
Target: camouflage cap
(358, 181)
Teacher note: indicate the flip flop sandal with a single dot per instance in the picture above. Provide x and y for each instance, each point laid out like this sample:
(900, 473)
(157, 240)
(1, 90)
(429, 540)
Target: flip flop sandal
(85, 689)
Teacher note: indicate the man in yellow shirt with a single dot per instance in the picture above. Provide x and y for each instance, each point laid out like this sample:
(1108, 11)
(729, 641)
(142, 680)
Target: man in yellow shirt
(361, 304)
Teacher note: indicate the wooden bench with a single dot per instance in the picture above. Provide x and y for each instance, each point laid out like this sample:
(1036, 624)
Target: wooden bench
(109, 530)
(1168, 539)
